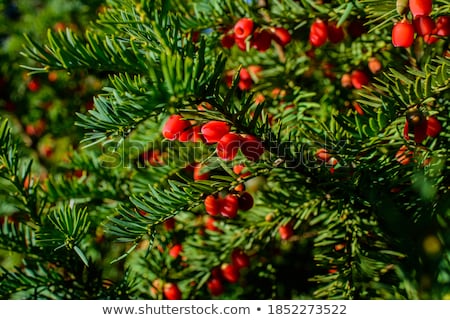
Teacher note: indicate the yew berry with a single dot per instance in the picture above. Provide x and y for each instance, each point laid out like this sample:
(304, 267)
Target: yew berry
(200, 173)
(322, 154)
(230, 206)
(261, 40)
(213, 131)
(403, 155)
(245, 201)
(174, 252)
(281, 36)
(318, 33)
(286, 231)
(175, 126)
(403, 34)
(171, 291)
(215, 287)
(210, 224)
(358, 108)
(420, 7)
(243, 28)
(241, 44)
(424, 25)
(419, 130)
(186, 135)
(443, 26)
(230, 272)
(33, 85)
(213, 205)
(169, 224)
(241, 171)
(227, 41)
(228, 146)
(434, 127)
(335, 33)
(252, 147)
(239, 258)
(374, 65)
(359, 79)
(346, 80)
(196, 135)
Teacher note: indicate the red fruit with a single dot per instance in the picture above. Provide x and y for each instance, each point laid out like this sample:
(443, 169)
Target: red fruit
(241, 44)
(171, 291)
(403, 155)
(196, 135)
(238, 168)
(175, 126)
(213, 205)
(227, 41)
(335, 33)
(230, 206)
(281, 36)
(34, 85)
(419, 130)
(243, 28)
(174, 252)
(359, 79)
(186, 135)
(245, 201)
(443, 26)
(322, 154)
(262, 40)
(433, 127)
(374, 65)
(420, 7)
(169, 224)
(228, 146)
(286, 231)
(403, 34)
(318, 34)
(230, 272)
(358, 108)
(200, 173)
(424, 25)
(213, 131)
(240, 259)
(215, 287)
(210, 224)
(252, 147)
(346, 81)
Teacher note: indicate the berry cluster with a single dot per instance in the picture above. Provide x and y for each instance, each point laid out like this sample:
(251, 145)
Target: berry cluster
(322, 31)
(228, 143)
(423, 25)
(228, 205)
(421, 127)
(229, 272)
(245, 34)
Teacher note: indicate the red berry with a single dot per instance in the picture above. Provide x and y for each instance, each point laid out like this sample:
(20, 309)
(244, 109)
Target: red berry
(200, 173)
(215, 287)
(243, 28)
(213, 205)
(228, 146)
(419, 130)
(230, 206)
(230, 272)
(424, 25)
(196, 135)
(227, 41)
(322, 154)
(318, 34)
(240, 259)
(346, 80)
(433, 127)
(241, 44)
(374, 65)
(443, 26)
(175, 126)
(34, 85)
(420, 7)
(174, 252)
(245, 201)
(252, 147)
(359, 79)
(210, 224)
(403, 156)
(213, 131)
(171, 291)
(403, 34)
(186, 135)
(358, 108)
(169, 224)
(286, 231)
(335, 33)
(239, 168)
(262, 40)
(281, 36)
